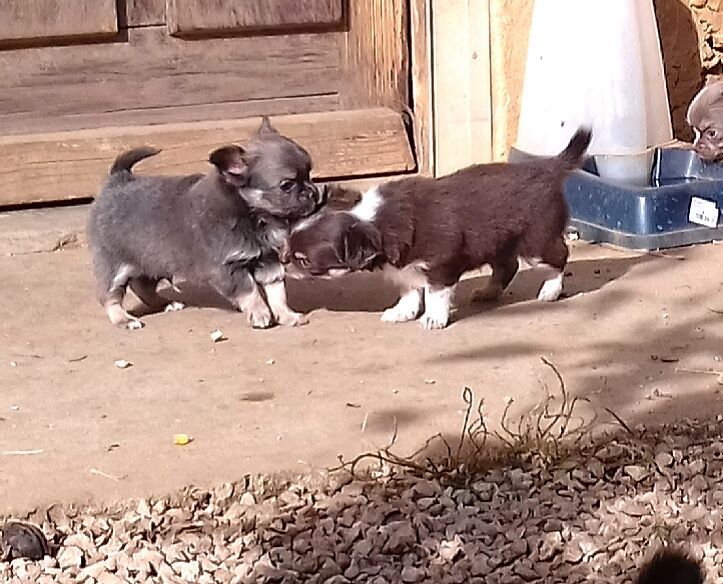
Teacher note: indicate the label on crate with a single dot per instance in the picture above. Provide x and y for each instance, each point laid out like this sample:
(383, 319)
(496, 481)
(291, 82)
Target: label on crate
(703, 212)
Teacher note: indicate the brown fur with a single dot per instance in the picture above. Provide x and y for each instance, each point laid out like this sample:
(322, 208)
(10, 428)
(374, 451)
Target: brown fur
(484, 214)
(671, 566)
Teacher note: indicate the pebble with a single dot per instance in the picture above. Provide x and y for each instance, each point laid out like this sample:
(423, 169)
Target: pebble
(412, 574)
(108, 578)
(664, 459)
(511, 525)
(637, 473)
(70, 557)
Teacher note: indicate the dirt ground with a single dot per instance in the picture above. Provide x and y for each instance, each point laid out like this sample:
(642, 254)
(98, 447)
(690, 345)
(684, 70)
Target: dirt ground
(635, 333)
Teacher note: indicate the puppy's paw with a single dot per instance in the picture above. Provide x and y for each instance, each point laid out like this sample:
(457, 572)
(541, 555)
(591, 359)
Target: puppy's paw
(434, 321)
(260, 318)
(122, 319)
(293, 319)
(399, 314)
(551, 290)
(174, 307)
(133, 324)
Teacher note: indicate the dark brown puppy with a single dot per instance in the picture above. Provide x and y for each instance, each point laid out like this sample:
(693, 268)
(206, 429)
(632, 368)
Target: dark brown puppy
(224, 229)
(705, 116)
(671, 566)
(425, 233)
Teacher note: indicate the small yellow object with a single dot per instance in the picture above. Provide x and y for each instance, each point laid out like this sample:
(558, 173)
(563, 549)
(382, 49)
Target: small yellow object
(181, 439)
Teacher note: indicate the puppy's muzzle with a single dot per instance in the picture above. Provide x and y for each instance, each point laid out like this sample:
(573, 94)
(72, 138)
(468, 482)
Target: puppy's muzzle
(285, 255)
(319, 194)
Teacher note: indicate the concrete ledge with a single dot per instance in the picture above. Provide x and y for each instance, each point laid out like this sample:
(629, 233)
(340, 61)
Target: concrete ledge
(42, 230)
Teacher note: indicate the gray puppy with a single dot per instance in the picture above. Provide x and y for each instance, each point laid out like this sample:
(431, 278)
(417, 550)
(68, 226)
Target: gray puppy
(223, 229)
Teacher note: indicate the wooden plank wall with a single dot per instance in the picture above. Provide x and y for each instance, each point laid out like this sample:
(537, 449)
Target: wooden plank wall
(343, 144)
(461, 83)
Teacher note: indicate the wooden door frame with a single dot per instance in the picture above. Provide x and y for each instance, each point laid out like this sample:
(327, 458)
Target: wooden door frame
(451, 83)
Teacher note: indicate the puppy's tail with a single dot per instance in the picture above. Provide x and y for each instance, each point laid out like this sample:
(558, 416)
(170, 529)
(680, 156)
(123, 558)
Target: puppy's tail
(125, 161)
(671, 566)
(572, 156)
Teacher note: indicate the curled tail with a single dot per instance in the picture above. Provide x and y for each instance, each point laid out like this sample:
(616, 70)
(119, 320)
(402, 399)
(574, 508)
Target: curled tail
(572, 156)
(670, 566)
(125, 161)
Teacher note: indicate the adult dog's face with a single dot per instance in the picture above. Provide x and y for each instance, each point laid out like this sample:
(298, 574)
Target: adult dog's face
(331, 245)
(272, 174)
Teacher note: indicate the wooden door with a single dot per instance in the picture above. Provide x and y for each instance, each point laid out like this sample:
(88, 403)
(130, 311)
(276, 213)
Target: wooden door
(81, 80)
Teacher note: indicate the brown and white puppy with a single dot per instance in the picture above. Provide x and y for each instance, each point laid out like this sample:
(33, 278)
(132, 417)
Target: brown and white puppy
(224, 229)
(425, 233)
(705, 116)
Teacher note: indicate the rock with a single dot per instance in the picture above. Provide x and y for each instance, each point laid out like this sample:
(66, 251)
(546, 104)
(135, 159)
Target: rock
(551, 545)
(449, 550)
(697, 467)
(223, 576)
(572, 553)
(247, 499)
(588, 518)
(70, 557)
(412, 574)
(329, 568)
(190, 571)
(352, 571)
(664, 459)
(143, 509)
(637, 473)
(19, 567)
(401, 536)
(108, 578)
(93, 571)
(22, 540)
(480, 565)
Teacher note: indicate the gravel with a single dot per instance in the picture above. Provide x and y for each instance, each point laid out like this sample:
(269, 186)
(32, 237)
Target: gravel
(592, 518)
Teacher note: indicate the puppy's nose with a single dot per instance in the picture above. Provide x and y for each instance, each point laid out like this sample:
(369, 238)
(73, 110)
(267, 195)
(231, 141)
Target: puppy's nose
(316, 193)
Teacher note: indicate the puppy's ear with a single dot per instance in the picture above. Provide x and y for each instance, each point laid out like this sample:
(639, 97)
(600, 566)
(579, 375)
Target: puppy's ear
(392, 248)
(231, 163)
(341, 198)
(266, 128)
(362, 246)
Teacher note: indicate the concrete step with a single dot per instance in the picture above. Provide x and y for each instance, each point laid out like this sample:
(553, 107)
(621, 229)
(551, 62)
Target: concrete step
(42, 229)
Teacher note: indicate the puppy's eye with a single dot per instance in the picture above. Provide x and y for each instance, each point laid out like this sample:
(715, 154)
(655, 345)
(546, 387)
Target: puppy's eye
(711, 133)
(287, 185)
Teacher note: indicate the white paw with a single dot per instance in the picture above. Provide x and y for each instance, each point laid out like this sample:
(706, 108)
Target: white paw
(174, 307)
(293, 319)
(550, 290)
(260, 319)
(399, 314)
(134, 324)
(433, 321)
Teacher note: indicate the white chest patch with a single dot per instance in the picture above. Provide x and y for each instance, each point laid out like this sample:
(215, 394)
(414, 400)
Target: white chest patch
(366, 209)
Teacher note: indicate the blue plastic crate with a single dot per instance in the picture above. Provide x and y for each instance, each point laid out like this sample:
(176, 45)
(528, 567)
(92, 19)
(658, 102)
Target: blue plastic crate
(645, 218)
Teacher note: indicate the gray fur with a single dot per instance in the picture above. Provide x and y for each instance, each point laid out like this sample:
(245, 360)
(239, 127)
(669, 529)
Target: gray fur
(220, 229)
